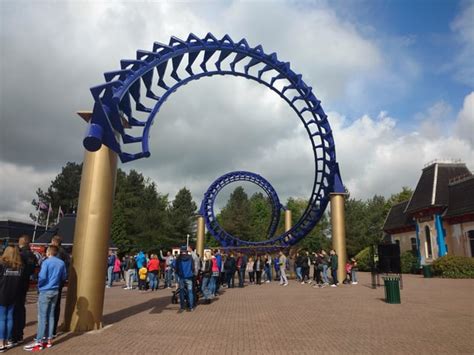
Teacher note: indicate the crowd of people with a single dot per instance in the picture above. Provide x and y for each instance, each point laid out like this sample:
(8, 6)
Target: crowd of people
(187, 274)
(17, 267)
(193, 276)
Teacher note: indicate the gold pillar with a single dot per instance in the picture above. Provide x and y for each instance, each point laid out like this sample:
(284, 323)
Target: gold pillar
(339, 233)
(85, 297)
(288, 221)
(200, 236)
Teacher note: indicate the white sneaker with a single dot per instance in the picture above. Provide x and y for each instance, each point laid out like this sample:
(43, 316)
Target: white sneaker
(285, 284)
(355, 283)
(333, 285)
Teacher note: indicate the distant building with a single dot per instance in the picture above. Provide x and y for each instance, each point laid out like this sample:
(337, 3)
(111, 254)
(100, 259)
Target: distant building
(439, 217)
(11, 230)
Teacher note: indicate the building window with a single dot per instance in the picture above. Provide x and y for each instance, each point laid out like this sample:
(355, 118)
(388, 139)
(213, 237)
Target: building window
(470, 235)
(413, 245)
(429, 251)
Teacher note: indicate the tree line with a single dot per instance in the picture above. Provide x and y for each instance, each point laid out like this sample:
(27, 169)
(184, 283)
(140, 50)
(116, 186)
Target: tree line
(145, 219)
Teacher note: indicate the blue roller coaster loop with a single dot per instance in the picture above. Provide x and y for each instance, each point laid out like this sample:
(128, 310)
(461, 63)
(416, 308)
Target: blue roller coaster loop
(119, 104)
(207, 207)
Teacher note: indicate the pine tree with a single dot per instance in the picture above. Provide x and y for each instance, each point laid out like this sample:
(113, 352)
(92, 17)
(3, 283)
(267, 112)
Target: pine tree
(63, 191)
(182, 217)
(235, 216)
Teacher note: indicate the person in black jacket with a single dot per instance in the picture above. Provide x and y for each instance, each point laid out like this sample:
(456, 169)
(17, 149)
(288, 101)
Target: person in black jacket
(229, 268)
(64, 256)
(11, 272)
(206, 272)
(29, 264)
(258, 267)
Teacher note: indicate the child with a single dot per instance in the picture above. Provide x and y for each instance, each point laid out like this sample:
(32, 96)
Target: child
(354, 271)
(142, 275)
(348, 268)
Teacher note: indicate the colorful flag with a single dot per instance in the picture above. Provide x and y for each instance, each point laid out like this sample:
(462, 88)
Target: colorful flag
(42, 206)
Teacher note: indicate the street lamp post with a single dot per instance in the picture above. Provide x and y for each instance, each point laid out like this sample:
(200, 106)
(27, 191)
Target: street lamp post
(187, 240)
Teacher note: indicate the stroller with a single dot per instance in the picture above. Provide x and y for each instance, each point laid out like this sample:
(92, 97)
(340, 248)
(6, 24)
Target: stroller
(196, 292)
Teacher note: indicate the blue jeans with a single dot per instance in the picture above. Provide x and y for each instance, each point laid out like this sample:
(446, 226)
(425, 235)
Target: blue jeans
(206, 287)
(186, 287)
(168, 277)
(6, 322)
(354, 275)
(241, 276)
(299, 276)
(268, 272)
(229, 278)
(46, 305)
(153, 281)
(212, 285)
(130, 277)
(325, 274)
(334, 276)
(110, 275)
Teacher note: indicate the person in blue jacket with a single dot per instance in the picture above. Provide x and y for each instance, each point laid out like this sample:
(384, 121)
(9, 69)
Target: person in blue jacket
(141, 259)
(51, 276)
(110, 268)
(185, 272)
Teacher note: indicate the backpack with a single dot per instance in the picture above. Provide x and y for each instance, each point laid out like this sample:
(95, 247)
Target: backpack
(186, 267)
(228, 265)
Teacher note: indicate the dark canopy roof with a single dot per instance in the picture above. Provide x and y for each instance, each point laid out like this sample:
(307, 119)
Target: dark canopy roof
(432, 188)
(398, 219)
(65, 229)
(461, 197)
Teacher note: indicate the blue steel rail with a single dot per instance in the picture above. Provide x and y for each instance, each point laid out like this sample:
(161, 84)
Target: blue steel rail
(207, 207)
(123, 102)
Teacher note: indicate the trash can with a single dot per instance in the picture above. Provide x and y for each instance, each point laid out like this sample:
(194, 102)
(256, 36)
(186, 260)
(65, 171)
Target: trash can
(392, 289)
(427, 273)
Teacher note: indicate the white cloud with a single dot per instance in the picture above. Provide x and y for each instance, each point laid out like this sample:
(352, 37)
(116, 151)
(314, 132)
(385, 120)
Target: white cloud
(376, 157)
(464, 127)
(17, 188)
(463, 27)
(217, 125)
(434, 121)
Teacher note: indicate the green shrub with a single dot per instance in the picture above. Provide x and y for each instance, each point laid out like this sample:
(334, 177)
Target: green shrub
(455, 267)
(363, 259)
(409, 262)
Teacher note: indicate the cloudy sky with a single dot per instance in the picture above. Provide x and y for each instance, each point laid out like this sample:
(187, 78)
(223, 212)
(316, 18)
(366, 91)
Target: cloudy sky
(395, 77)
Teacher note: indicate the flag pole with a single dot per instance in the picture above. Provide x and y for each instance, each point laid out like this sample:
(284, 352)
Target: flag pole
(47, 218)
(36, 220)
(59, 214)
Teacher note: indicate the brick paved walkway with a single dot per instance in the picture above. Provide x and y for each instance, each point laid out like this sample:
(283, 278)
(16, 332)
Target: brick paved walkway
(436, 316)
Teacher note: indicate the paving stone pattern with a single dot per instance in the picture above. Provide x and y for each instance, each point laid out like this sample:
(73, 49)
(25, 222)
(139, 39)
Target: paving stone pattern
(435, 316)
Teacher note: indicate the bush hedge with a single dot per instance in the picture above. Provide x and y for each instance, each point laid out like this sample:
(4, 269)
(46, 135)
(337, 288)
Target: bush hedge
(409, 261)
(363, 259)
(454, 267)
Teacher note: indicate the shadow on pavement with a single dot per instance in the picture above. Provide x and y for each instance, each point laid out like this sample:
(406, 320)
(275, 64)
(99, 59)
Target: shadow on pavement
(156, 305)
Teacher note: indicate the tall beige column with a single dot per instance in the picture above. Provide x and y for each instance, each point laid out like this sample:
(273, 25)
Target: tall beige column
(200, 236)
(288, 221)
(85, 297)
(339, 232)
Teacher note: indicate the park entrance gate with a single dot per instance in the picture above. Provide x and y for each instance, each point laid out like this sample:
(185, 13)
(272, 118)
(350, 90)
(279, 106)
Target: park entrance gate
(122, 102)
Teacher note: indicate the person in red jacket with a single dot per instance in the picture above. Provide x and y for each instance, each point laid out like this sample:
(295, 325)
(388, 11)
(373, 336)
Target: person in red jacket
(153, 269)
